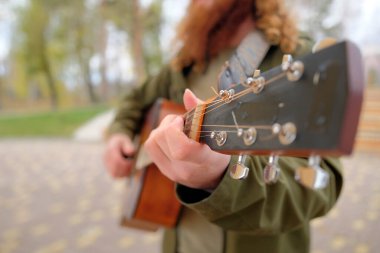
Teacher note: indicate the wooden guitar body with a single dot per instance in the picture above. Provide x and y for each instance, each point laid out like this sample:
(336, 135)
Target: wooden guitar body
(151, 201)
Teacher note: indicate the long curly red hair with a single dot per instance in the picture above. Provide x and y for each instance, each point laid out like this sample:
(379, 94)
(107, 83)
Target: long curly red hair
(206, 30)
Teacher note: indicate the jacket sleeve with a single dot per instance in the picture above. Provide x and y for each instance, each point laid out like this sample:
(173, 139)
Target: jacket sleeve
(130, 112)
(252, 206)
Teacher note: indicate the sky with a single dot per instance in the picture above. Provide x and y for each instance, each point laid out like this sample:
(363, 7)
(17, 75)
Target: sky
(173, 11)
(361, 22)
(6, 20)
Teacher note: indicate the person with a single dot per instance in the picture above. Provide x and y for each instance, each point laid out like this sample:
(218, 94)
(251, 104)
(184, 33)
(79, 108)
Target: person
(221, 214)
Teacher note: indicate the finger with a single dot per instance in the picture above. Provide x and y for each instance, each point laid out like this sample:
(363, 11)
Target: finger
(123, 145)
(127, 149)
(159, 157)
(167, 120)
(174, 126)
(181, 147)
(117, 164)
(190, 100)
(170, 124)
(123, 170)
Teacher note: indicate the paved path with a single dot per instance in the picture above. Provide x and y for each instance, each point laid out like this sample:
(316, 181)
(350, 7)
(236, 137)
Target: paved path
(94, 129)
(56, 198)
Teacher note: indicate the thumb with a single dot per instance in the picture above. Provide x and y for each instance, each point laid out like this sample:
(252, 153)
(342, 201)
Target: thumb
(190, 100)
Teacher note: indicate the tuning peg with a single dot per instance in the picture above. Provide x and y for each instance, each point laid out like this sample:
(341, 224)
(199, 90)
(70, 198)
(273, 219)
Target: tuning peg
(326, 42)
(294, 69)
(287, 60)
(256, 82)
(313, 176)
(220, 137)
(239, 170)
(257, 73)
(271, 170)
(226, 95)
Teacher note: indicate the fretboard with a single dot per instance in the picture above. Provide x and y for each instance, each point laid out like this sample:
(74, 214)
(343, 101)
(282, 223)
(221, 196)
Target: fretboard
(193, 122)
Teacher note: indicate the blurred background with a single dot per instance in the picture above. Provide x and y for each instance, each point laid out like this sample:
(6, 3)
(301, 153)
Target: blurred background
(64, 66)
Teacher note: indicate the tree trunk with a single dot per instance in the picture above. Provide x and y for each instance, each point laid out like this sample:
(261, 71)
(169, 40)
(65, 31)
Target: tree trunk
(137, 40)
(103, 66)
(88, 82)
(49, 77)
(83, 61)
(1, 92)
(52, 89)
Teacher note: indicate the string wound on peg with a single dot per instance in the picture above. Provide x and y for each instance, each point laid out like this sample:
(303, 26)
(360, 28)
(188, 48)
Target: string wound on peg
(293, 69)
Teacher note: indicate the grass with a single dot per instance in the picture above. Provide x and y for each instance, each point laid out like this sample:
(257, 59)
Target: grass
(49, 124)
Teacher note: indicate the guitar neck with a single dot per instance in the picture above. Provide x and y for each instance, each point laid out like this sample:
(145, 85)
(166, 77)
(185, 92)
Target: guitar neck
(311, 109)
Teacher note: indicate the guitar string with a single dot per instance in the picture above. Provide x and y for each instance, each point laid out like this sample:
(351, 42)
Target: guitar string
(240, 126)
(234, 97)
(243, 93)
(262, 138)
(217, 106)
(262, 127)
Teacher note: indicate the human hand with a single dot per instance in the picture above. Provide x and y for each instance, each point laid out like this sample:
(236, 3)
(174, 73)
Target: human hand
(181, 159)
(118, 148)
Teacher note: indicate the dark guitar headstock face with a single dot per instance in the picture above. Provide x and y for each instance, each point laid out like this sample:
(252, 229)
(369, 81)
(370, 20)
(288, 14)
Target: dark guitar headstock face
(309, 105)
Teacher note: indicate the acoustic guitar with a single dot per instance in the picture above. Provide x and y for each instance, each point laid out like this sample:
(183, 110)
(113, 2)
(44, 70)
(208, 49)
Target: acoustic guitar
(304, 107)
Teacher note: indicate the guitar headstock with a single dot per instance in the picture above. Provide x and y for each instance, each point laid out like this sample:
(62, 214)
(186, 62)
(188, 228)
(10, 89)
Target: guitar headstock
(306, 106)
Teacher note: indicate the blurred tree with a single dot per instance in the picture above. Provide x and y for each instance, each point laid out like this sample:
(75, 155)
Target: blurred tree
(63, 45)
(142, 26)
(82, 26)
(373, 77)
(34, 22)
(152, 28)
(315, 17)
(2, 77)
(74, 27)
(55, 35)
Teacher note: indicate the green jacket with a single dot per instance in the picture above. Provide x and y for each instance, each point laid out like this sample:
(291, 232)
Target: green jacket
(255, 217)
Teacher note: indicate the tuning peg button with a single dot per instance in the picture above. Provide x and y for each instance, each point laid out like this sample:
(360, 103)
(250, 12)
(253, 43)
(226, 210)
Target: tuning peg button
(271, 170)
(312, 176)
(324, 43)
(257, 73)
(287, 60)
(239, 171)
